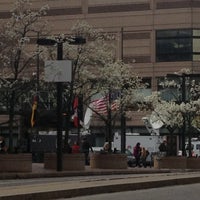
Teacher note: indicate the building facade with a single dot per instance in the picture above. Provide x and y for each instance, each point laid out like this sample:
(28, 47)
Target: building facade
(159, 36)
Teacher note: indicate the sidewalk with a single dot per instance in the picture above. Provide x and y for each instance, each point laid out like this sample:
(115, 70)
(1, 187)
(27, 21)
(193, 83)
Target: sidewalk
(38, 171)
(143, 178)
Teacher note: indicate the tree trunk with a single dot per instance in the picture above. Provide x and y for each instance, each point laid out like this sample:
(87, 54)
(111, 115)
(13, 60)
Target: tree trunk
(171, 151)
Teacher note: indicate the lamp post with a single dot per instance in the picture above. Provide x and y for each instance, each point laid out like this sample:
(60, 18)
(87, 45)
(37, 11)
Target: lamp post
(183, 99)
(123, 114)
(59, 42)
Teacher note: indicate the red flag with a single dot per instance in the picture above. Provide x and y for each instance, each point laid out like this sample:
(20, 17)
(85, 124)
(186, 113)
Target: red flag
(75, 116)
(34, 108)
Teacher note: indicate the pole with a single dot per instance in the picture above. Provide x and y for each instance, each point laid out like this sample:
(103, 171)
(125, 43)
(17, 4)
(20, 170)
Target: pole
(109, 122)
(38, 65)
(184, 121)
(59, 112)
(43, 41)
(123, 117)
(80, 115)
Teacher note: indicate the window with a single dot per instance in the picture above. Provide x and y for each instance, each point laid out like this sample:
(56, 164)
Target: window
(169, 93)
(177, 45)
(147, 90)
(198, 146)
(175, 92)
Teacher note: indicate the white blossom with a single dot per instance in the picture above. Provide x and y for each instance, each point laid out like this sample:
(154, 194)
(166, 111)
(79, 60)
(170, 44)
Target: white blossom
(175, 113)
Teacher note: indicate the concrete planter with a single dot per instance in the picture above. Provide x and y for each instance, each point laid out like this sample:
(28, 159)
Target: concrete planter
(70, 161)
(176, 162)
(108, 161)
(193, 163)
(15, 162)
(171, 162)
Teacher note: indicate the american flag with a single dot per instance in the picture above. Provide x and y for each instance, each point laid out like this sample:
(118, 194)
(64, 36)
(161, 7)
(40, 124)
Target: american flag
(101, 105)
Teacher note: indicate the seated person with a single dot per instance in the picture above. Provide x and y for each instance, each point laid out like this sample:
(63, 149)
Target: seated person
(106, 148)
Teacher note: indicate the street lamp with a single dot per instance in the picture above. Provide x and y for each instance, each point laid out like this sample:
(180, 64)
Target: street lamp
(123, 114)
(59, 42)
(183, 99)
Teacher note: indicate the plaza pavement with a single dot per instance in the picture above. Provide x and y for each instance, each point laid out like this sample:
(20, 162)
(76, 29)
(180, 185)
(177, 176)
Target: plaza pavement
(143, 178)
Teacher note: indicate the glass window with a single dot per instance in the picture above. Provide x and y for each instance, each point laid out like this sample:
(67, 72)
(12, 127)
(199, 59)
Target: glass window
(196, 57)
(196, 33)
(169, 93)
(177, 45)
(146, 91)
(147, 82)
(198, 146)
(196, 49)
(174, 33)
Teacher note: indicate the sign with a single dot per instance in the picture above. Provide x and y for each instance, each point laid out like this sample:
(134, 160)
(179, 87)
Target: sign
(58, 71)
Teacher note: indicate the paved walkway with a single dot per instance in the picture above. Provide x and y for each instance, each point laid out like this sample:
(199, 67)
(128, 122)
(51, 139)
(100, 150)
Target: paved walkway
(144, 178)
(38, 171)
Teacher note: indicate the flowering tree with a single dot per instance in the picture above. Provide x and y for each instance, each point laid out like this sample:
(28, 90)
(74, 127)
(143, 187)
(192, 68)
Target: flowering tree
(178, 112)
(16, 57)
(97, 73)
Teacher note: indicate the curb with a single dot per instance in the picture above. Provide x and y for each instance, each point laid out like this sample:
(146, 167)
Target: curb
(54, 174)
(5, 176)
(102, 189)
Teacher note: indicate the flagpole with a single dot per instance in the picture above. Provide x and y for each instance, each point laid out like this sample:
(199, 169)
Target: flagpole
(109, 121)
(78, 123)
(80, 115)
(76, 117)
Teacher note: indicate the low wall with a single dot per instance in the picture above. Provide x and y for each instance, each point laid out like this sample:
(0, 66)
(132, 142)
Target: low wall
(193, 163)
(69, 161)
(108, 161)
(15, 162)
(171, 162)
(176, 162)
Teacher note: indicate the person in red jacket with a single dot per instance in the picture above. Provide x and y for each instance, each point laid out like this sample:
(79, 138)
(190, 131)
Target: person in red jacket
(75, 148)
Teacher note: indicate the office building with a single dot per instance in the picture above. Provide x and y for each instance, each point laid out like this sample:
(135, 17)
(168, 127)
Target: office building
(159, 36)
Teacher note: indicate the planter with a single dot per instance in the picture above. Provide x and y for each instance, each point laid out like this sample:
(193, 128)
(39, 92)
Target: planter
(15, 162)
(193, 163)
(70, 161)
(171, 162)
(108, 161)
